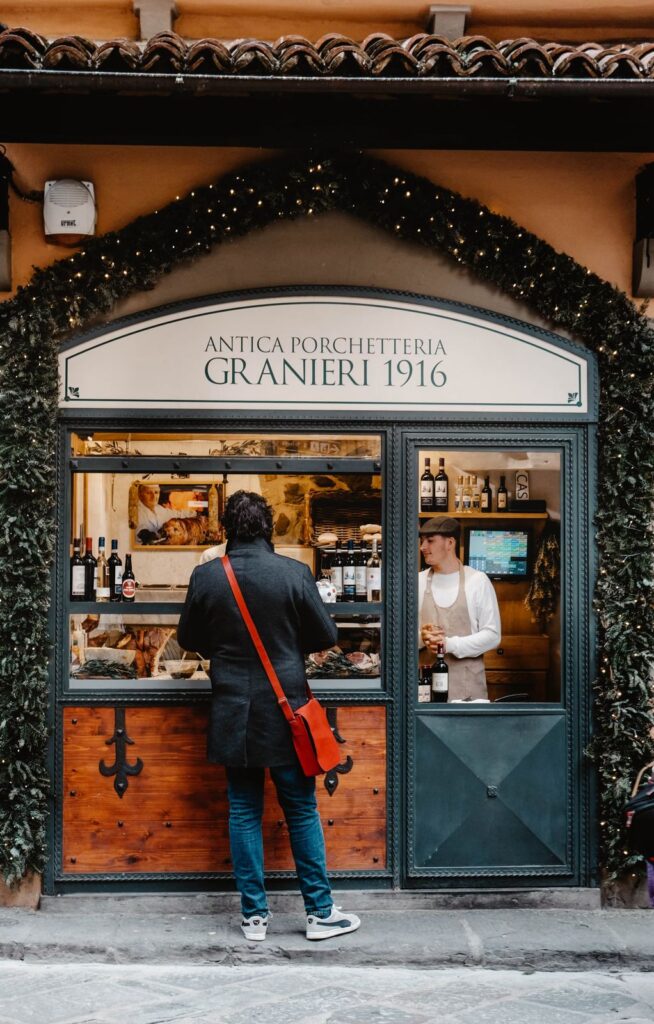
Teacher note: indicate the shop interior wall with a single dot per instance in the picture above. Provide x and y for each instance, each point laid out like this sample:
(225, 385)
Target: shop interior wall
(582, 204)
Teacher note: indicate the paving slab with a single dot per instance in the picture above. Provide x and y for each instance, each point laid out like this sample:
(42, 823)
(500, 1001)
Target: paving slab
(289, 994)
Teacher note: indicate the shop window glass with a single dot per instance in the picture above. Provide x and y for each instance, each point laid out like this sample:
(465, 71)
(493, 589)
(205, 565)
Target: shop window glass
(502, 634)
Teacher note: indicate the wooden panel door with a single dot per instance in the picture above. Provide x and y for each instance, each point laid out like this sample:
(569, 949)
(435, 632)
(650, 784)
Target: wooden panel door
(172, 815)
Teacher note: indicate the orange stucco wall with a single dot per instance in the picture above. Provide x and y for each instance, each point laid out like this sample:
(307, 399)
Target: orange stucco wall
(580, 20)
(582, 204)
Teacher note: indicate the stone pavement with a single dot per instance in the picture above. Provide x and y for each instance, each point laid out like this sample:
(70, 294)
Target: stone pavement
(204, 929)
(112, 994)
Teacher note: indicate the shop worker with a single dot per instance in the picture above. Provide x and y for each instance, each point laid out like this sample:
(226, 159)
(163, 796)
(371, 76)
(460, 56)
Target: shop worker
(247, 729)
(458, 608)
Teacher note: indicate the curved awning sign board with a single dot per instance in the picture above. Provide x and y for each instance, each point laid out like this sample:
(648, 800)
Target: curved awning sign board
(318, 350)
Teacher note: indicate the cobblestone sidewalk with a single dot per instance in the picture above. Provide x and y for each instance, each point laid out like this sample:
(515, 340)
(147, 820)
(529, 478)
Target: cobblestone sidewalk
(105, 994)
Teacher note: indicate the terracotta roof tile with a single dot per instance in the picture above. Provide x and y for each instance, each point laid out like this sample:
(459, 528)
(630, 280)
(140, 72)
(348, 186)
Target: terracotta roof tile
(377, 56)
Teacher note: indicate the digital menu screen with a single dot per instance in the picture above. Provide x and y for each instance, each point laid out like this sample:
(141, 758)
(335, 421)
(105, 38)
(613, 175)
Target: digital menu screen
(499, 552)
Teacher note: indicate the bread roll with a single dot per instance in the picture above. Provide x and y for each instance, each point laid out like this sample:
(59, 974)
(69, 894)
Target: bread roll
(370, 528)
(328, 538)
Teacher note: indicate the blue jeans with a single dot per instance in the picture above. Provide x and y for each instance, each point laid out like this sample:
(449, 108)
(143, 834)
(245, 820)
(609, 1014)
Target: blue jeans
(297, 797)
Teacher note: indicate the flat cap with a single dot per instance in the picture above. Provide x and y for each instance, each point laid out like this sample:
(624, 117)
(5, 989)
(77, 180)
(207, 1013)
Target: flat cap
(444, 525)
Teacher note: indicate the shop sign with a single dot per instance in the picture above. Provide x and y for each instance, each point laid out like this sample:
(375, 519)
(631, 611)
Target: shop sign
(327, 352)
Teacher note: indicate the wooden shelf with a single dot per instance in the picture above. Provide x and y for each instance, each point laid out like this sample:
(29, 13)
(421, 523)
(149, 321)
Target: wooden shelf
(485, 515)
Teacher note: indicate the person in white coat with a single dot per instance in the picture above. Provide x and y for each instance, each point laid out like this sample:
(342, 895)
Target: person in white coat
(458, 608)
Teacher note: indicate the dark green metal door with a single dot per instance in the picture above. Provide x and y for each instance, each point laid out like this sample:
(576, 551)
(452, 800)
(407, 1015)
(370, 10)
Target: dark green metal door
(498, 794)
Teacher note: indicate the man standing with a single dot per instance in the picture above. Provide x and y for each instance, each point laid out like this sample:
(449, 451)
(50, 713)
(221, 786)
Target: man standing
(458, 608)
(247, 729)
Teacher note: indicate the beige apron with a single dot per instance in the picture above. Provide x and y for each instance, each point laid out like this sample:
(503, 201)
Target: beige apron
(467, 677)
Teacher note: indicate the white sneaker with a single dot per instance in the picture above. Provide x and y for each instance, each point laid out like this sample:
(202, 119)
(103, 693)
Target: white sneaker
(336, 924)
(255, 928)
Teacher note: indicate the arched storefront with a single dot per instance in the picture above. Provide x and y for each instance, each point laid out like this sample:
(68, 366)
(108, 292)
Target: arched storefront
(329, 401)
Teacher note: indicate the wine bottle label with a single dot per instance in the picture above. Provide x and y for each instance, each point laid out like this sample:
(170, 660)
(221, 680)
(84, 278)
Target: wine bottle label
(501, 500)
(485, 500)
(118, 580)
(337, 578)
(440, 489)
(349, 576)
(77, 581)
(129, 589)
(439, 682)
(373, 583)
(426, 489)
(102, 593)
(467, 502)
(360, 577)
(424, 695)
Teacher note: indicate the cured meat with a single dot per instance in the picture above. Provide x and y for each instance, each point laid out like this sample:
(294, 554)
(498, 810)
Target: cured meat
(334, 664)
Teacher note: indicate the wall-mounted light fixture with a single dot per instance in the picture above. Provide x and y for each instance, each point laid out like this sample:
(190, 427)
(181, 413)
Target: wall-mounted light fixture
(5, 237)
(643, 275)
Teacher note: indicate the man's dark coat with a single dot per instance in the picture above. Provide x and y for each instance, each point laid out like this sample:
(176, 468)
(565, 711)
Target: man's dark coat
(246, 725)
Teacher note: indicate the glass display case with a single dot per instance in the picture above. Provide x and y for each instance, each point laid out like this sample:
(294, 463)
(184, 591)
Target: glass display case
(154, 503)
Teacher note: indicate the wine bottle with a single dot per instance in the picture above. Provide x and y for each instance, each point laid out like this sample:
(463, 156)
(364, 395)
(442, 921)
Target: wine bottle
(349, 574)
(466, 496)
(424, 685)
(360, 572)
(373, 574)
(441, 488)
(90, 564)
(486, 496)
(476, 495)
(337, 572)
(129, 580)
(102, 592)
(458, 495)
(502, 496)
(440, 686)
(427, 489)
(115, 573)
(77, 573)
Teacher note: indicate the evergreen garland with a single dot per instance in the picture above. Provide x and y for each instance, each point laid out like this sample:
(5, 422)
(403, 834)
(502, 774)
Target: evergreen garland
(74, 291)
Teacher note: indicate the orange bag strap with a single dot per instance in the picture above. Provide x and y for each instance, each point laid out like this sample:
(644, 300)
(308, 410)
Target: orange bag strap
(273, 678)
(639, 777)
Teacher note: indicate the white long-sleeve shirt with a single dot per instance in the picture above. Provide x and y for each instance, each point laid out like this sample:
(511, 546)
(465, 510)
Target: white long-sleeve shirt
(482, 605)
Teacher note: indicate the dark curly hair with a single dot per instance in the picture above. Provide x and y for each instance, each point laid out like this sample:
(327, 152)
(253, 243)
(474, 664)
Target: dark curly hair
(247, 515)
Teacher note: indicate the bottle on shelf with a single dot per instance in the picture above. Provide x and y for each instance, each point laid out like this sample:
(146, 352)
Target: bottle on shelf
(77, 573)
(373, 574)
(458, 495)
(466, 496)
(349, 574)
(476, 495)
(424, 684)
(486, 496)
(115, 573)
(102, 591)
(337, 572)
(360, 572)
(441, 488)
(427, 488)
(90, 564)
(129, 580)
(502, 496)
(440, 687)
